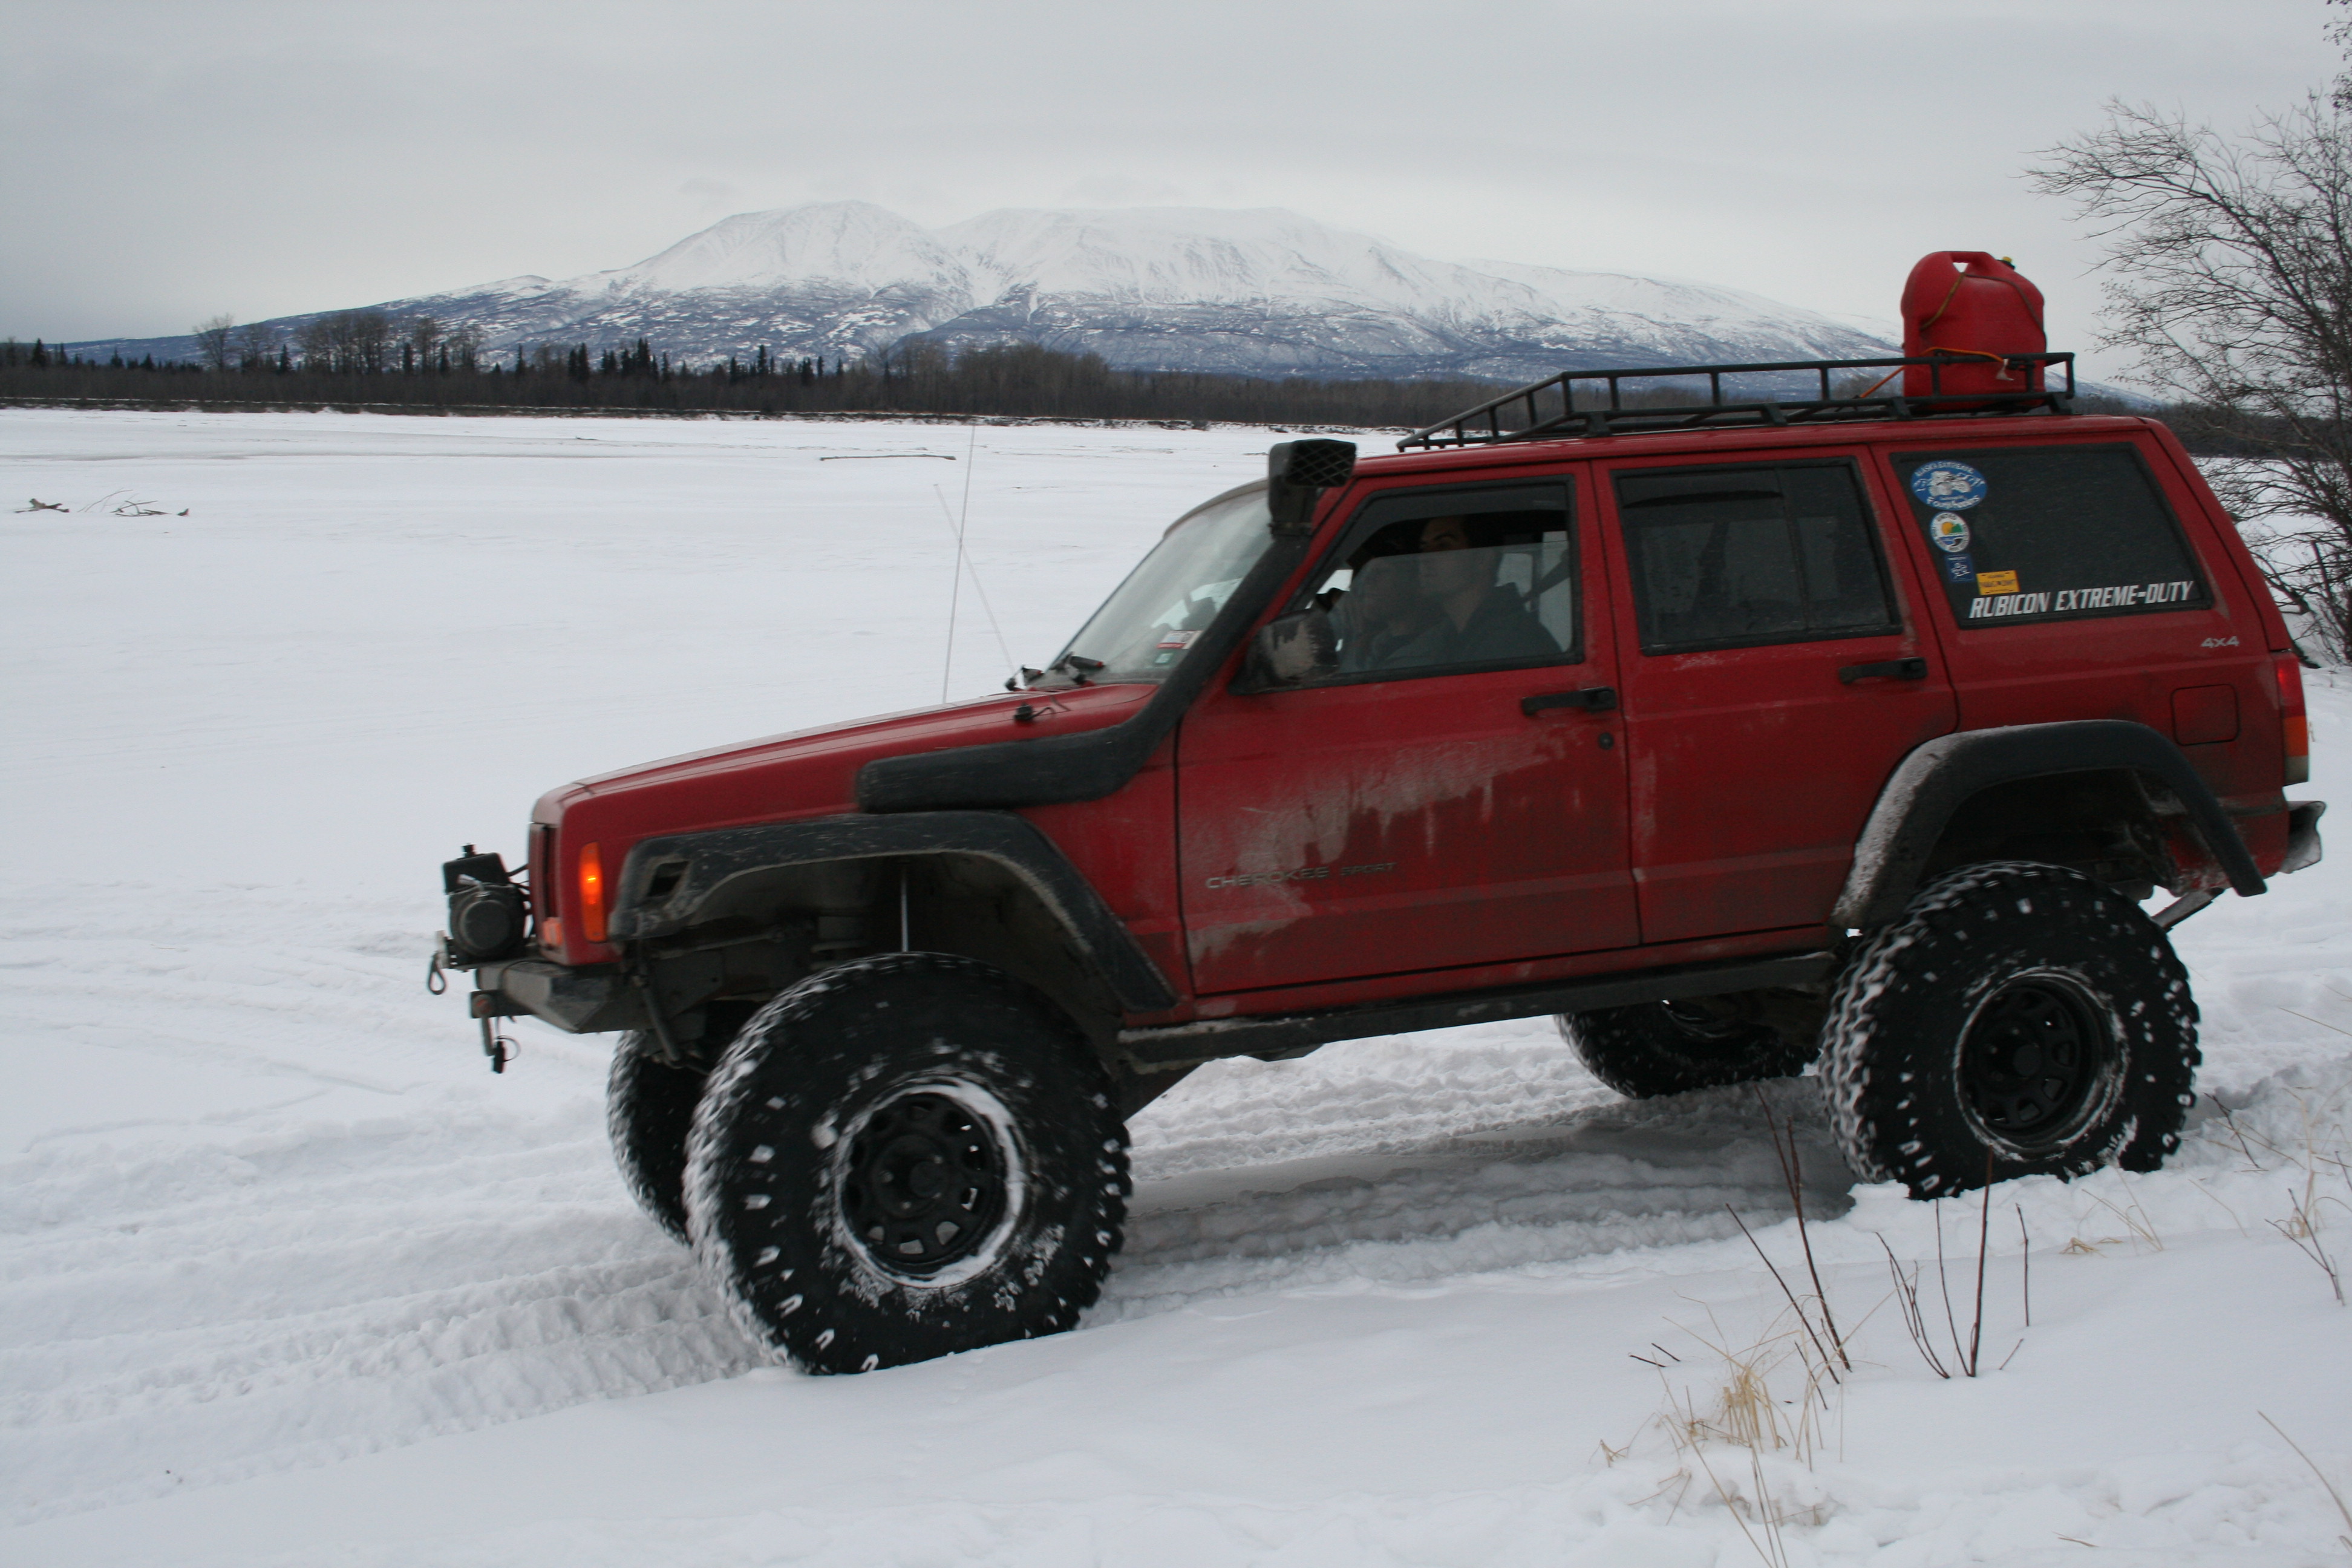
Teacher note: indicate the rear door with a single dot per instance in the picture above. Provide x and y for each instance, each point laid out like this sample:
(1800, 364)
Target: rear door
(1439, 796)
(1774, 674)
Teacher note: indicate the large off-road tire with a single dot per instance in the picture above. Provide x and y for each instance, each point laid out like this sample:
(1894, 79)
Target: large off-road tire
(1672, 1048)
(2018, 1019)
(649, 1108)
(906, 1156)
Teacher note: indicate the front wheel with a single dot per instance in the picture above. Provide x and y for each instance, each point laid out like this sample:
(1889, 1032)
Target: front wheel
(906, 1156)
(2018, 1019)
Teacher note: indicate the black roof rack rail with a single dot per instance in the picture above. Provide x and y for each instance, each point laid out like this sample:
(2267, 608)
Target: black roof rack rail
(1528, 414)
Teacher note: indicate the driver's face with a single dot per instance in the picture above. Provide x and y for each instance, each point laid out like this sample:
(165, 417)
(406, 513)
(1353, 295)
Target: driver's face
(1448, 565)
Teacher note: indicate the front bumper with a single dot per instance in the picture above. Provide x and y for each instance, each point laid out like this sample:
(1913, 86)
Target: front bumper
(577, 1000)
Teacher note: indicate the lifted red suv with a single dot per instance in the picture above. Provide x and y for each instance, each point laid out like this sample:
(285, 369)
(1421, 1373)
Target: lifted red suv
(1735, 734)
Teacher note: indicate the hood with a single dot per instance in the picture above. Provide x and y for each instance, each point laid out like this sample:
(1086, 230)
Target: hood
(810, 772)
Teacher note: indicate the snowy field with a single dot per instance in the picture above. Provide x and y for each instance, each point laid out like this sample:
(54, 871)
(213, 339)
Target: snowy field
(287, 1276)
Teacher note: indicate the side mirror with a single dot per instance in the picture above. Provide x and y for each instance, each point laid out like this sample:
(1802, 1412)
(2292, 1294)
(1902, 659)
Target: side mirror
(1291, 650)
(1298, 472)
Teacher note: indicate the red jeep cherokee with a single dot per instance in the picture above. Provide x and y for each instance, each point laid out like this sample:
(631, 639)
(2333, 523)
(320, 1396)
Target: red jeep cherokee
(1735, 734)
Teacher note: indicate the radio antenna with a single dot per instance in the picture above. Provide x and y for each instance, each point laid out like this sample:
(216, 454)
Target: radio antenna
(966, 564)
(955, 590)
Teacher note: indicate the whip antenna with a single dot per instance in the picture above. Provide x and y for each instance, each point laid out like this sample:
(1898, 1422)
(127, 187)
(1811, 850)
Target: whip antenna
(955, 590)
(965, 563)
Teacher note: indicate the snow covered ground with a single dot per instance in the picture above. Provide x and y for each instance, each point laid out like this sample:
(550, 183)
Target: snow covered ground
(285, 1277)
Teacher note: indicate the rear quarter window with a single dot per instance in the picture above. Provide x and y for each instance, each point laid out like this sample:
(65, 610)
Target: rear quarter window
(2050, 533)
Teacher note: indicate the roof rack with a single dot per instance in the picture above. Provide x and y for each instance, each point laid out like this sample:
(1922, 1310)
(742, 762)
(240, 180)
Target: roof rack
(1528, 414)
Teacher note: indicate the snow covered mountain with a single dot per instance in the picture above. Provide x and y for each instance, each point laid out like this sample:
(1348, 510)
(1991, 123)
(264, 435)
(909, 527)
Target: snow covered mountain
(1261, 291)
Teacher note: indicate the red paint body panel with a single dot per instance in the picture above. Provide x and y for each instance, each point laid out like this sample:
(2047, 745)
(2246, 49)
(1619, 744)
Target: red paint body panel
(1120, 844)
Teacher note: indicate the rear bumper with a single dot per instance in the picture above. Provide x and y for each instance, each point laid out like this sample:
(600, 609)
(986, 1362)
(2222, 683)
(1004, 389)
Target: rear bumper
(577, 1000)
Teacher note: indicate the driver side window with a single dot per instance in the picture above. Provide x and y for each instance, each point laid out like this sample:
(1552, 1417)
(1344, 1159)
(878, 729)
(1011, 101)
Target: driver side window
(1439, 582)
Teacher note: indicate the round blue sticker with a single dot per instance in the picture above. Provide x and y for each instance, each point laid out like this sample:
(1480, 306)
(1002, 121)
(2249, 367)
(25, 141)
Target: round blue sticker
(1947, 484)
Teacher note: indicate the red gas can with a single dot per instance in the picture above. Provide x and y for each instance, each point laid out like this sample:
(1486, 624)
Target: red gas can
(1968, 303)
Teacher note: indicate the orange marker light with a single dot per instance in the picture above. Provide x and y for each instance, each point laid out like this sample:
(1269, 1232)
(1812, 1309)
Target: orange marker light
(591, 892)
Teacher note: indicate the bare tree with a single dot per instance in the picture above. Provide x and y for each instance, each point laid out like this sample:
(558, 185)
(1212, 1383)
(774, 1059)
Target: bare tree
(213, 340)
(2230, 263)
(254, 344)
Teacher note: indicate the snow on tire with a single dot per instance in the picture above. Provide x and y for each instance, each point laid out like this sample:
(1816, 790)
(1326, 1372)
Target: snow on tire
(648, 1110)
(1667, 1047)
(906, 1156)
(2018, 1020)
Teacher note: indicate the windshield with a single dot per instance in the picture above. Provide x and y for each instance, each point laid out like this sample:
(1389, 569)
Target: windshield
(1145, 629)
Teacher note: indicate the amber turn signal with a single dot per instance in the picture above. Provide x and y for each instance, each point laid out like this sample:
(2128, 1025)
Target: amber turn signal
(591, 892)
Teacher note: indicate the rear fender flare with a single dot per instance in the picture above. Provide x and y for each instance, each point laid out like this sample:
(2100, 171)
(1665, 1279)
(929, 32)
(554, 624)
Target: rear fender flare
(719, 856)
(1935, 779)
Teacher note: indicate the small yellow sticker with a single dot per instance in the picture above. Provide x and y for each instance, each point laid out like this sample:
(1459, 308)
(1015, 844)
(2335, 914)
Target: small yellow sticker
(1996, 582)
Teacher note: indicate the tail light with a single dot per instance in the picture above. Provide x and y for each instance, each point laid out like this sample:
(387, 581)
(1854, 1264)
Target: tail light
(2295, 718)
(591, 891)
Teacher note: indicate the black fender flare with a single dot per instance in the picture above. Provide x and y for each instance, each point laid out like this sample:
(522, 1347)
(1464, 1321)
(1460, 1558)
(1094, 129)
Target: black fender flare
(1937, 776)
(717, 855)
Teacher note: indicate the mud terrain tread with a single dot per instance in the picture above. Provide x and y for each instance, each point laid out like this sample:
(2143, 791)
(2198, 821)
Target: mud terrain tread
(648, 1110)
(1641, 1053)
(1890, 1050)
(762, 1176)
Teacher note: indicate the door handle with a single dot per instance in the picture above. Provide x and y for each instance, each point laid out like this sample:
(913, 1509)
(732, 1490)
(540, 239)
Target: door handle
(1891, 670)
(1592, 698)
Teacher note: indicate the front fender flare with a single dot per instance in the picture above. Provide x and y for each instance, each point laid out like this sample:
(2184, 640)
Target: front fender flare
(719, 854)
(1933, 781)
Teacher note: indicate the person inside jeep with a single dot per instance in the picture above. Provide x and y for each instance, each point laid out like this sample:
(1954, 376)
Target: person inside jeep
(1477, 618)
(1383, 615)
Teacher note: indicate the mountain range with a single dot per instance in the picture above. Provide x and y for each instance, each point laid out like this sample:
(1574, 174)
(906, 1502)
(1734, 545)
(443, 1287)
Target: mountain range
(1261, 291)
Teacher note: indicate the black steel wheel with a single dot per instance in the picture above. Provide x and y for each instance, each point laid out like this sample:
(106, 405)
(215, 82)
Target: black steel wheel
(906, 1156)
(2036, 1060)
(1672, 1047)
(2018, 1019)
(926, 1182)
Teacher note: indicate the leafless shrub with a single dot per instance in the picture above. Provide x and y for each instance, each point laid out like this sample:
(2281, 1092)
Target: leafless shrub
(2230, 264)
(213, 342)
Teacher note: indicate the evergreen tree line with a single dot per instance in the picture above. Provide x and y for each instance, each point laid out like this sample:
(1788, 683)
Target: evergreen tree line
(365, 358)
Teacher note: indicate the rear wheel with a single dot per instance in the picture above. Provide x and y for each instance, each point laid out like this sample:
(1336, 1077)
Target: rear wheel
(906, 1156)
(1672, 1048)
(2018, 1019)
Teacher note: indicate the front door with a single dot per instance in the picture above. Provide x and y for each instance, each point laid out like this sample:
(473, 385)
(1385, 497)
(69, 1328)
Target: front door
(1446, 789)
(1773, 679)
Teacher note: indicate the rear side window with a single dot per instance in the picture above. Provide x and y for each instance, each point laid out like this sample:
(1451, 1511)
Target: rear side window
(2050, 533)
(1775, 552)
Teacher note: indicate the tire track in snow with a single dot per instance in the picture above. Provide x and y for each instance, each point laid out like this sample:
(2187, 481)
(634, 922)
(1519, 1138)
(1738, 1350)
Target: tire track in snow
(396, 1252)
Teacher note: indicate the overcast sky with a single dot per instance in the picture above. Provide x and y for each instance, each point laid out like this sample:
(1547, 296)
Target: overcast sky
(161, 162)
